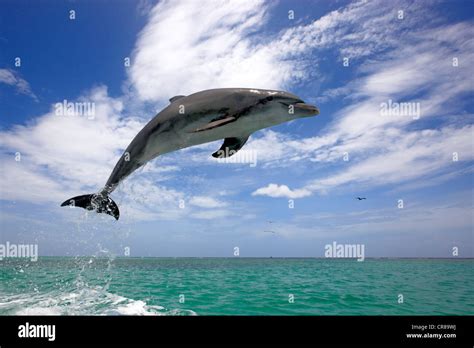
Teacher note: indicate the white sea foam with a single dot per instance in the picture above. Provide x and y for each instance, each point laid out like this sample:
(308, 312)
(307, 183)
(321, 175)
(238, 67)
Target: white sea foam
(84, 301)
(38, 311)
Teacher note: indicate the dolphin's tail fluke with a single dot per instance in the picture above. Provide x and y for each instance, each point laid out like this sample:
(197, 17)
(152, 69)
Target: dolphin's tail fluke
(99, 202)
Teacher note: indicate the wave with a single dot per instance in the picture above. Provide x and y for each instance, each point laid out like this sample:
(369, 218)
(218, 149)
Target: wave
(84, 301)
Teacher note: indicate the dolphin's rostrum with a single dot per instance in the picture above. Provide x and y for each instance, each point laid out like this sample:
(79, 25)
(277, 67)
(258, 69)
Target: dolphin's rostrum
(232, 114)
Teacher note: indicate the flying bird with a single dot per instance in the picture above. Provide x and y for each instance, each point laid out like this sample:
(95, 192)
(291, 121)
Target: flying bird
(232, 114)
(360, 198)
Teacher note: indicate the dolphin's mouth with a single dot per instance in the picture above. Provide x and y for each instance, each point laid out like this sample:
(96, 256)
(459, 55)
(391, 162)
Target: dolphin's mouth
(302, 106)
(307, 107)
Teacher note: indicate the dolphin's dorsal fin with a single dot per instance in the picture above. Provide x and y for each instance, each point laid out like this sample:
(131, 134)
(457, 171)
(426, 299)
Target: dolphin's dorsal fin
(230, 147)
(176, 97)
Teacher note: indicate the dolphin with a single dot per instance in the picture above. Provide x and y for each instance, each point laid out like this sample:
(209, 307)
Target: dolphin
(232, 114)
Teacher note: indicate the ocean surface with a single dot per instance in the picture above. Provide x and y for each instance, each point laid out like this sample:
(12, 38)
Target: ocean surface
(235, 286)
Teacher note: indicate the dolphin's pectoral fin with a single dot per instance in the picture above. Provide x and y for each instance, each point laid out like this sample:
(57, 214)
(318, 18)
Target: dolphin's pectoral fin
(216, 123)
(230, 147)
(176, 97)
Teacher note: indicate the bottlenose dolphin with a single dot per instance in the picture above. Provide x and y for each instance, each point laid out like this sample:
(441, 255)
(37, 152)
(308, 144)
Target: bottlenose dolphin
(232, 114)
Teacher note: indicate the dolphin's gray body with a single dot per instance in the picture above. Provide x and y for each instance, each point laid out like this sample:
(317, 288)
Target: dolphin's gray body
(232, 114)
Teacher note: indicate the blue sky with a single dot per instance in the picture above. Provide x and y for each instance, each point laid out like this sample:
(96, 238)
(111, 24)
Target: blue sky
(181, 47)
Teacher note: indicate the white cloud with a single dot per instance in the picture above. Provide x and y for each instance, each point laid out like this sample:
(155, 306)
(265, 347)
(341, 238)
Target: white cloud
(274, 190)
(22, 86)
(206, 202)
(189, 46)
(393, 149)
(418, 154)
(141, 198)
(23, 181)
(74, 149)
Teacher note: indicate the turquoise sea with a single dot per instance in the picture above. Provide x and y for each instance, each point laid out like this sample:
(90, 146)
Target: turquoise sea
(236, 286)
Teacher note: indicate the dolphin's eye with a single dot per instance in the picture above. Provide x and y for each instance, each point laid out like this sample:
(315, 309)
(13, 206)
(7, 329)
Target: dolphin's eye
(269, 98)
